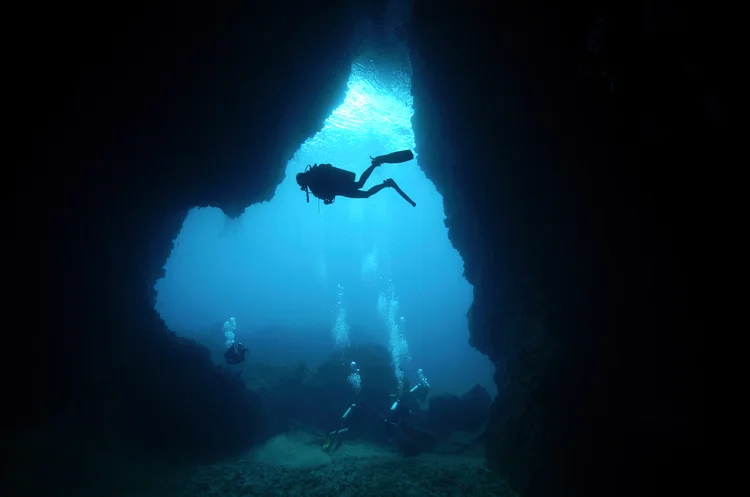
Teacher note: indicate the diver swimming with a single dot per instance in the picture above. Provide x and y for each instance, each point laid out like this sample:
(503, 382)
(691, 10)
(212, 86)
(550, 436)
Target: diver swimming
(327, 182)
(235, 353)
(403, 406)
(397, 428)
(353, 414)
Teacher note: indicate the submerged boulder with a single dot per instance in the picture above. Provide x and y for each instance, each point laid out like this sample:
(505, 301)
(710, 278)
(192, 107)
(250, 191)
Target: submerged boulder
(467, 413)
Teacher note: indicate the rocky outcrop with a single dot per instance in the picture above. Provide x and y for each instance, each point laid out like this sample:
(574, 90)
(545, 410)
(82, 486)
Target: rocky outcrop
(467, 413)
(561, 198)
(137, 118)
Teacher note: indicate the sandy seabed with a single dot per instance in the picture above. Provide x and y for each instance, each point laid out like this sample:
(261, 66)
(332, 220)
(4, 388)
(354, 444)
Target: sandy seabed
(295, 466)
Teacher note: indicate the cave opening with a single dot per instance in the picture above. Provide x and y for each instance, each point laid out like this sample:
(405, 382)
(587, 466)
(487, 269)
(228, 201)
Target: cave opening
(301, 280)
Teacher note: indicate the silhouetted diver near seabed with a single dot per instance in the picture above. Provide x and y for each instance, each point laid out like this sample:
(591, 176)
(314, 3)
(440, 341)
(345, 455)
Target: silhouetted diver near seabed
(326, 181)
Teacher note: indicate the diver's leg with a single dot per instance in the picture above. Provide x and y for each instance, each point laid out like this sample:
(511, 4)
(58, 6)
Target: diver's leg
(392, 184)
(359, 184)
(372, 191)
(375, 189)
(363, 194)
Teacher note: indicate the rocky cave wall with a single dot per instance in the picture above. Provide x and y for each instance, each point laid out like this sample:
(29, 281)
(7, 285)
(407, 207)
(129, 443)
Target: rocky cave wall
(559, 168)
(135, 119)
(541, 208)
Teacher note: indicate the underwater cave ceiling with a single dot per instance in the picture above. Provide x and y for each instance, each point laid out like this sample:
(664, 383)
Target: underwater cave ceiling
(519, 213)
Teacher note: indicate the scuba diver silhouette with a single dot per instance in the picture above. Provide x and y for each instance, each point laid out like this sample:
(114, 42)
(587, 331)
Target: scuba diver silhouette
(236, 353)
(326, 182)
(352, 415)
(403, 406)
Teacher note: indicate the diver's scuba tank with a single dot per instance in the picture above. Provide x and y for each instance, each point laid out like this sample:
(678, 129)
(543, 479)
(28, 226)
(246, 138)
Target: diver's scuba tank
(395, 157)
(421, 389)
(423, 378)
(348, 411)
(336, 175)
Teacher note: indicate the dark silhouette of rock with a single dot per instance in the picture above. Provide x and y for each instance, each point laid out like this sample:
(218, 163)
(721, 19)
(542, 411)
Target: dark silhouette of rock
(137, 118)
(575, 223)
(411, 440)
(469, 412)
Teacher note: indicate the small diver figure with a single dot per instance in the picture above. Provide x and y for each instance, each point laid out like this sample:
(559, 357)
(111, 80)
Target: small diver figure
(402, 406)
(326, 182)
(236, 353)
(353, 412)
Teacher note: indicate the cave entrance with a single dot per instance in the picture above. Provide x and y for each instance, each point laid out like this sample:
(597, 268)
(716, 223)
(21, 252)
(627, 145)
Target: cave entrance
(302, 279)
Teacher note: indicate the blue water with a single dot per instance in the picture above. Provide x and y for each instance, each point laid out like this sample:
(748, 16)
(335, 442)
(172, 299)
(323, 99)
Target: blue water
(302, 280)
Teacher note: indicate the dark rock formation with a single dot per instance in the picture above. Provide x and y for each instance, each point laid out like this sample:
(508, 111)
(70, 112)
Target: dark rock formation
(449, 413)
(138, 117)
(569, 205)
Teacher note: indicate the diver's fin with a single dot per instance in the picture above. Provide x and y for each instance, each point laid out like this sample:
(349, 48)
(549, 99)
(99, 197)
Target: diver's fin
(395, 157)
(401, 192)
